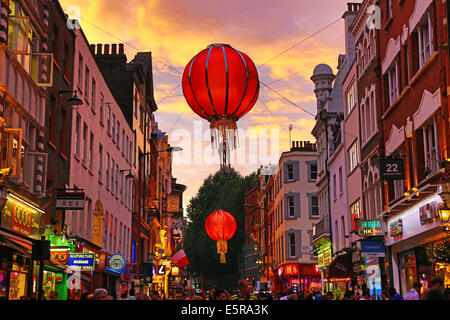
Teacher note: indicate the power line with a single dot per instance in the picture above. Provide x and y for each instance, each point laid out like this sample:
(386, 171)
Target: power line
(293, 74)
(129, 44)
(300, 42)
(169, 95)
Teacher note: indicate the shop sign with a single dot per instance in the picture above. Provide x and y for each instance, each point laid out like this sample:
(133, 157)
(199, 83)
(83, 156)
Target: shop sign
(372, 249)
(429, 212)
(21, 217)
(158, 279)
(370, 228)
(60, 255)
(175, 271)
(82, 261)
(291, 270)
(116, 263)
(70, 200)
(159, 270)
(392, 169)
(396, 228)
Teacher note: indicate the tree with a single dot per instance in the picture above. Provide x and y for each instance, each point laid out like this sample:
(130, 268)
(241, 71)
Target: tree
(223, 190)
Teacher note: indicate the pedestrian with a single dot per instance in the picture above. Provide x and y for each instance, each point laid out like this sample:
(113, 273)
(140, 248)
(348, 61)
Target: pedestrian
(132, 295)
(142, 296)
(191, 294)
(365, 294)
(328, 296)
(84, 295)
(100, 294)
(434, 294)
(289, 292)
(310, 296)
(447, 294)
(394, 295)
(53, 295)
(318, 296)
(414, 293)
(220, 294)
(244, 292)
(384, 295)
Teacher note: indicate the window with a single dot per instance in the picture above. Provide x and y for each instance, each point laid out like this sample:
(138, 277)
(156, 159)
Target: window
(88, 218)
(112, 176)
(312, 170)
(290, 172)
(52, 121)
(121, 186)
(343, 232)
(63, 132)
(94, 88)
(353, 156)
(291, 206)
(86, 83)
(127, 154)
(107, 170)
(77, 135)
(334, 187)
(406, 64)
(351, 98)
(100, 165)
(108, 119)
(389, 9)
(425, 41)
(430, 146)
(84, 155)
(123, 141)
(292, 244)
(113, 133)
(80, 72)
(67, 60)
(392, 76)
(341, 184)
(102, 101)
(118, 134)
(141, 119)
(355, 211)
(91, 152)
(117, 180)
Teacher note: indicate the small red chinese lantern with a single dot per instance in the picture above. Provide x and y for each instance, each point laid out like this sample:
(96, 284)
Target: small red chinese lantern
(221, 85)
(221, 227)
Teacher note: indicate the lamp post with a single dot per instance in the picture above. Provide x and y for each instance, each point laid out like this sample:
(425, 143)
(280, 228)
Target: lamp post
(444, 213)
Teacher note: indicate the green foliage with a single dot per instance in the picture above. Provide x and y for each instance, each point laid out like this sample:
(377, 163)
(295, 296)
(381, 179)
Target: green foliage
(439, 252)
(224, 190)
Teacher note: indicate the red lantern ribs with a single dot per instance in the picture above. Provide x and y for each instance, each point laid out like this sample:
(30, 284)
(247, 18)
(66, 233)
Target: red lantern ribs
(221, 227)
(221, 85)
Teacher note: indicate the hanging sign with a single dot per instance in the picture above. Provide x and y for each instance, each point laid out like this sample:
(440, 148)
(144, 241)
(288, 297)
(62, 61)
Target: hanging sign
(116, 263)
(396, 228)
(392, 169)
(82, 261)
(70, 200)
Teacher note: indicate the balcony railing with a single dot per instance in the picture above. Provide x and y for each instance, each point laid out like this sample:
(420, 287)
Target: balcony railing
(320, 228)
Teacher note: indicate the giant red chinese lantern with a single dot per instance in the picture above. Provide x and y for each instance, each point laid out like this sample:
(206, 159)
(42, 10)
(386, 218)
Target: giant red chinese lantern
(221, 85)
(221, 227)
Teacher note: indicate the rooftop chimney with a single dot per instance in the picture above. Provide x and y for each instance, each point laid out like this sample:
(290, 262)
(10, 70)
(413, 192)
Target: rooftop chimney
(106, 49)
(114, 49)
(99, 48)
(121, 50)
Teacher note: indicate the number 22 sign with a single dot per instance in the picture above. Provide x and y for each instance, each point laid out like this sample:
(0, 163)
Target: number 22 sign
(392, 169)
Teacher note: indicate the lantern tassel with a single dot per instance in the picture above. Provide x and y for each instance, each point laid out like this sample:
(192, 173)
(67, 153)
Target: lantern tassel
(222, 249)
(224, 137)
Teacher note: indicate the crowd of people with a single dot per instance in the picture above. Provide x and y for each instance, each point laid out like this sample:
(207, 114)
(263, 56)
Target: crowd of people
(436, 291)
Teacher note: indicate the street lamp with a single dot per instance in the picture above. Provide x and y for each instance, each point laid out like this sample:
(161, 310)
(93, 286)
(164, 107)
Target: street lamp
(129, 175)
(75, 100)
(444, 214)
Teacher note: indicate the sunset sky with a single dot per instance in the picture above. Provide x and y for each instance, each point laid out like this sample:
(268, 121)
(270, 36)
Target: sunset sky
(176, 30)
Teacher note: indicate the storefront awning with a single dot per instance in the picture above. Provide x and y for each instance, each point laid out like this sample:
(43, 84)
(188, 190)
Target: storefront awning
(340, 269)
(19, 246)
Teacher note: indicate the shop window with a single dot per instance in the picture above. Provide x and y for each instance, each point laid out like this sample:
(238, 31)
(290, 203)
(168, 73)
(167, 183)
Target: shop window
(355, 211)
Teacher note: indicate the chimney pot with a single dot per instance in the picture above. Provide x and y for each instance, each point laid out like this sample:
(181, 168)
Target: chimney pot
(121, 49)
(106, 49)
(92, 48)
(114, 49)
(99, 48)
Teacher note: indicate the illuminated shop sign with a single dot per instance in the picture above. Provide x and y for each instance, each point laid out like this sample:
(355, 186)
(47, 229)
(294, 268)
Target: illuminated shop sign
(370, 228)
(21, 217)
(116, 263)
(82, 261)
(291, 270)
(396, 228)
